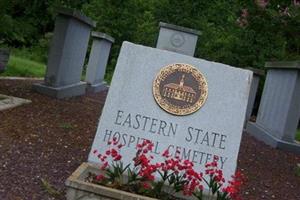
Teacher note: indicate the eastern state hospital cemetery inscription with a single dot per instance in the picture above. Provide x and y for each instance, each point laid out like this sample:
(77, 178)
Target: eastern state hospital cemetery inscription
(179, 102)
(147, 125)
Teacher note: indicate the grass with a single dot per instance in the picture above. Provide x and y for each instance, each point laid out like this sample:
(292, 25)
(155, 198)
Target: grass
(298, 135)
(50, 189)
(298, 170)
(22, 67)
(66, 125)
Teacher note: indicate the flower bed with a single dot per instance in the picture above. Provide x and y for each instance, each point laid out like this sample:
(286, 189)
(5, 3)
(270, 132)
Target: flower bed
(177, 178)
(80, 189)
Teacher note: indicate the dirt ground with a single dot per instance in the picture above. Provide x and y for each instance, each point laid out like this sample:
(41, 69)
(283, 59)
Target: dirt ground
(42, 143)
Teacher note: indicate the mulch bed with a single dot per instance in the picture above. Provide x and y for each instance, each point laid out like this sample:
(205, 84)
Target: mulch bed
(42, 143)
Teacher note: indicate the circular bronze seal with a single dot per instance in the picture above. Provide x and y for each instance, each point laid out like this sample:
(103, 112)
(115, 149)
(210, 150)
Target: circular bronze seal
(180, 89)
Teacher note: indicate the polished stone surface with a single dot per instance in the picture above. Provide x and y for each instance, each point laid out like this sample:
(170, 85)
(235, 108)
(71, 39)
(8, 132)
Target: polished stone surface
(131, 112)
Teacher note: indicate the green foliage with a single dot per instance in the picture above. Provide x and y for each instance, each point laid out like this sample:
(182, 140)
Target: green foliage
(125, 20)
(24, 68)
(37, 52)
(236, 32)
(22, 23)
(50, 189)
(267, 35)
(298, 170)
(66, 125)
(270, 34)
(298, 135)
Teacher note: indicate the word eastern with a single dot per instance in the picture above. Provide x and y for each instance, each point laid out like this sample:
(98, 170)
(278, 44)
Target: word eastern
(152, 125)
(146, 123)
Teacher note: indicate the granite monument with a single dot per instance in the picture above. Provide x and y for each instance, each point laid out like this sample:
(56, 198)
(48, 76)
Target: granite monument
(279, 110)
(177, 38)
(179, 102)
(67, 54)
(98, 61)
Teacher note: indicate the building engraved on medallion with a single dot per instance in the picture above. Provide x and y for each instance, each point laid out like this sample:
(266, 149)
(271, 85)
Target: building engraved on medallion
(180, 89)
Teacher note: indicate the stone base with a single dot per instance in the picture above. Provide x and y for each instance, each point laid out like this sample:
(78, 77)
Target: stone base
(78, 189)
(262, 134)
(61, 92)
(99, 87)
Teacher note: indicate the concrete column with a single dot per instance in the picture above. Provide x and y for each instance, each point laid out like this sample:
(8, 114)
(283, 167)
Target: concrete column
(98, 61)
(67, 53)
(4, 57)
(257, 73)
(279, 109)
(178, 39)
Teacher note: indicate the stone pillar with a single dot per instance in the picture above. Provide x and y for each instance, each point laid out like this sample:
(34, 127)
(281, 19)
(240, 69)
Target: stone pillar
(257, 73)
(178, 39)
(279, 109)
(4, 57)
(67, 54)
(98, 61)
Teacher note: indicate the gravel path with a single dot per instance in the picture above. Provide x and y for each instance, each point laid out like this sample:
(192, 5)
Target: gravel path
(42, 143)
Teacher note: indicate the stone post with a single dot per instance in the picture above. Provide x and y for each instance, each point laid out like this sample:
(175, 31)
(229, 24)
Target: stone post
(98, 61)
(178, 39)
(279, 109)
(4, 57)
(257, 73)
(67, 54)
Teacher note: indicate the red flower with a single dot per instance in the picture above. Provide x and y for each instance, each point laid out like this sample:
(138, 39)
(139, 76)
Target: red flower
(118, 157)
(234, 186)
(145, 151)
(103, 167)
(166, 153)
(146, 185)
(107, 152)
(114, 153)
(100, 177)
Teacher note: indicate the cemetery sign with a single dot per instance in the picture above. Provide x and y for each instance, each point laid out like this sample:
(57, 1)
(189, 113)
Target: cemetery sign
(179, 102)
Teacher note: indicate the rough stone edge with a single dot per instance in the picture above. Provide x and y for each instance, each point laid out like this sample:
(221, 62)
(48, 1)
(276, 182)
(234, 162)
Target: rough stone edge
(68, 91)
(262, 134)
(255, 71)
(179, 28)
(94, 88)
(127, 45)
(76, 14)
(103, 36)
(283, 65)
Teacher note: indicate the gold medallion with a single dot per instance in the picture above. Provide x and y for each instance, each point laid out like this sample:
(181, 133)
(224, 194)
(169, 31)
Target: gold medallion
(180, 89)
